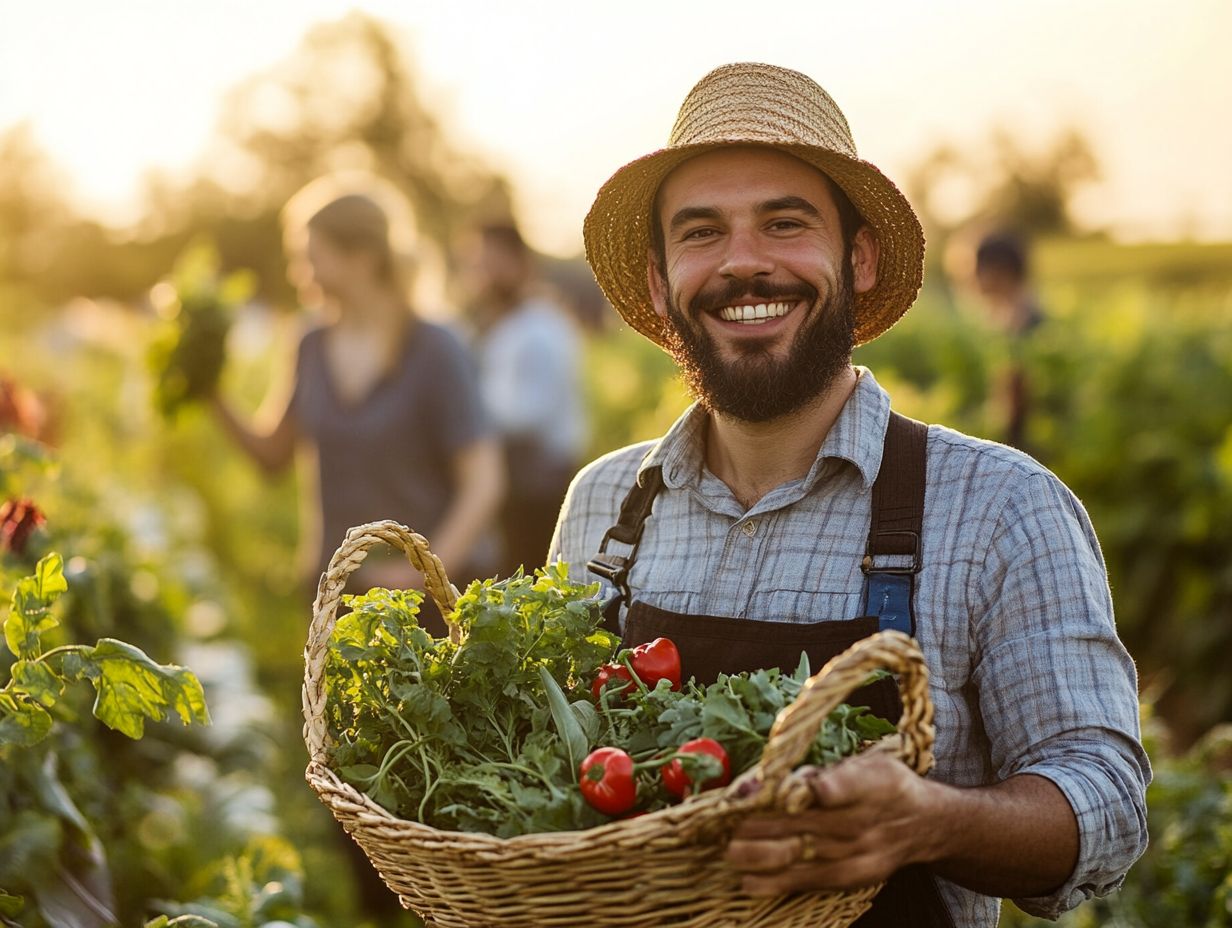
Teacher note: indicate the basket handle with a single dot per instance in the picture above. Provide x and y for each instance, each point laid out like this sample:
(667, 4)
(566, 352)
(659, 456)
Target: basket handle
(798, 724)
(346, 560)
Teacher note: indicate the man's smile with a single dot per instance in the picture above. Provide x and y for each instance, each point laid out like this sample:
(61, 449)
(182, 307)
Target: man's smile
(754, 313)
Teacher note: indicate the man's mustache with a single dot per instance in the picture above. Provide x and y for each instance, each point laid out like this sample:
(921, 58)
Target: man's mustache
(743, 292)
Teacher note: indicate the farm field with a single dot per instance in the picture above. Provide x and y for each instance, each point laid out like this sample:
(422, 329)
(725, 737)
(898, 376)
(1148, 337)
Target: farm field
(174, 544)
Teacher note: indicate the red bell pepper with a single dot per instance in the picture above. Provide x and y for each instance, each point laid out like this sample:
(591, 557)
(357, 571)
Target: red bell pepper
(651, 662)
(657, 660)
(678, 782)
(606, 780)
(608, 673)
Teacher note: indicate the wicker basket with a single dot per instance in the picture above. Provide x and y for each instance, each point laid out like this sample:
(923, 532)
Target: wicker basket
(663, 868)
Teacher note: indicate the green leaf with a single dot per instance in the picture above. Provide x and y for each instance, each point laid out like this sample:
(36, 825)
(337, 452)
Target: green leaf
(588, 717)
(567, 724)
(39, 681)
(29, 847)
(131, 688)
(803, 670)
(727, 709)
(54, 797)
(49, 573)
(10, 905)
(72, 665)
(22, 722)
(30, 614)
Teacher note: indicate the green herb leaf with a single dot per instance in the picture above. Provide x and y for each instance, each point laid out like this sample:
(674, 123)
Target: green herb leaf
(10, 905)
(38, 681)
(131, 688)
(30, 614)
(567, 724)
(22, 722)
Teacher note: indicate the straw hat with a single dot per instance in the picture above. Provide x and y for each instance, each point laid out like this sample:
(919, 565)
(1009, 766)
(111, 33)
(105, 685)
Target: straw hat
(754, 104)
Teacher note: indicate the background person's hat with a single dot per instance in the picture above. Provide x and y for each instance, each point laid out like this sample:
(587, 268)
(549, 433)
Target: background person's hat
(754, 104)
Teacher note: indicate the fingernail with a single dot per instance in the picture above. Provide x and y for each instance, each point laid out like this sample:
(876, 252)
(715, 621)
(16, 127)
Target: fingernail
(748, 788)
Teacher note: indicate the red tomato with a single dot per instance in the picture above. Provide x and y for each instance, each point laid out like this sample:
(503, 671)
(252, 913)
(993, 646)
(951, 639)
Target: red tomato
(677, 782)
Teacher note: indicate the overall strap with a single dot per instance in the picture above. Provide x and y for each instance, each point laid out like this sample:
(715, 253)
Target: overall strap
(627, 531)
(892, 557)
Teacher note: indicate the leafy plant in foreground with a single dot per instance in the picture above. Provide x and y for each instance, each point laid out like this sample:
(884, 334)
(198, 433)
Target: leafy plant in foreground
(53, 868)
(130, 686)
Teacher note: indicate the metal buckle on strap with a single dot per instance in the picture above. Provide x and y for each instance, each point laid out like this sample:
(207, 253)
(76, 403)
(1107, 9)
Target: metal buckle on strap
(610, 567)
(868, 565)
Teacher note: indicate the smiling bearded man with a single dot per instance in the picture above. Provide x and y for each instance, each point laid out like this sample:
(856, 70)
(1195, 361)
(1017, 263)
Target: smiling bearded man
(792, 510)
(757, 387)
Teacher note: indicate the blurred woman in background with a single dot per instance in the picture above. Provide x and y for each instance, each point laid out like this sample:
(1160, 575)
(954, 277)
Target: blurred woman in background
(386, 402)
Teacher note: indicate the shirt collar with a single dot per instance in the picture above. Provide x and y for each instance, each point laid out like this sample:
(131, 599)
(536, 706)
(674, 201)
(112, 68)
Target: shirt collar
(857, 436)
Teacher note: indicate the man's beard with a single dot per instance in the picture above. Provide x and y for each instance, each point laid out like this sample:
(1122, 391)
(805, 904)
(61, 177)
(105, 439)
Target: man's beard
(757, 387)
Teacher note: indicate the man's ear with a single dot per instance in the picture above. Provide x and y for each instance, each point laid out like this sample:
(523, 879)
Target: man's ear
(658, 286)
(865, 250)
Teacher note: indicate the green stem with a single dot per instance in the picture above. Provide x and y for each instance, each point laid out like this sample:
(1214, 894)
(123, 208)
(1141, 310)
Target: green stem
(397, 751)
(519, 768)
(633, 673)
(429, 780)
(62, 650)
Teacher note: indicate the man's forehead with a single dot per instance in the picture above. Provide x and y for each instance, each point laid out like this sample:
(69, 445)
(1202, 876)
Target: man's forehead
(737, 168)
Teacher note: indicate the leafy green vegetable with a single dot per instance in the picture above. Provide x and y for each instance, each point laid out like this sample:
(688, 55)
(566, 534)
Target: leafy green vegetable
(463, 735)
(130, 686)
(197, 306)
(487, 735)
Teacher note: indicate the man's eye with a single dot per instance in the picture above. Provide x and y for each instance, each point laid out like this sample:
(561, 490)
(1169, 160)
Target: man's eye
(694, 234)
(781, 225)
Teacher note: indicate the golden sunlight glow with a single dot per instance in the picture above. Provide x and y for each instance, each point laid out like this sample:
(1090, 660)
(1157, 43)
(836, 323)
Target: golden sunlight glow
(559, 94)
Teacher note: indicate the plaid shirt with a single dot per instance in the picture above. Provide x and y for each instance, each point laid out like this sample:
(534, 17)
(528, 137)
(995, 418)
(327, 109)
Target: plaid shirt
(1012, 607)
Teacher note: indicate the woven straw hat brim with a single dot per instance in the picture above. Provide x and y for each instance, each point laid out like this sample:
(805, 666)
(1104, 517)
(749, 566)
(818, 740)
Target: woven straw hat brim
(617, 233)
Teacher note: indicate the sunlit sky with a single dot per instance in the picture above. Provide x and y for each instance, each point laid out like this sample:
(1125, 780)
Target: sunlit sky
(559, 94)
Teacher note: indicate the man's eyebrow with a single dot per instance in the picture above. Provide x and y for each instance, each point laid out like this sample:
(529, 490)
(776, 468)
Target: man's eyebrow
(799, 204)
(690, 214)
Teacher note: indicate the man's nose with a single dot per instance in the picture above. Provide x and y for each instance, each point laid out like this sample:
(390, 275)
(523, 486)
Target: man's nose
(743, 256)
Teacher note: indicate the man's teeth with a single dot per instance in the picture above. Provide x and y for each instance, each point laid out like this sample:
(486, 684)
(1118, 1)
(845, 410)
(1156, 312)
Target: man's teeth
(755, 314)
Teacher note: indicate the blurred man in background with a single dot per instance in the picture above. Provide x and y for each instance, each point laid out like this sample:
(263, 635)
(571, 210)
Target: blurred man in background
(1002, 280)
(529, 353)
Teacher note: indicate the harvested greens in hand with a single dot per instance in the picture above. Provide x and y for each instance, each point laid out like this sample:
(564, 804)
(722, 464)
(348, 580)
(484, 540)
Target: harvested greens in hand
(491, 734)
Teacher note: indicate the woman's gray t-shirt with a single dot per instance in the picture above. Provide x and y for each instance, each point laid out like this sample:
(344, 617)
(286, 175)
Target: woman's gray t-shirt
(388, 455)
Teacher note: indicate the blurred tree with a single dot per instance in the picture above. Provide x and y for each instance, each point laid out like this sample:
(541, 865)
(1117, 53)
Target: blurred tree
(1035, 190)
(1004, 183)
(32, 209)
(348, 98)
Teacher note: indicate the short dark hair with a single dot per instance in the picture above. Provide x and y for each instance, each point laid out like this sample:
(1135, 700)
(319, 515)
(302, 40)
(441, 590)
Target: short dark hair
(504, 234)
(1004, 251)
(849, 222)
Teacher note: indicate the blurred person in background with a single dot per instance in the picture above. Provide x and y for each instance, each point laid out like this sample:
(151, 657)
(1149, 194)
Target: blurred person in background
(384, 403)
(1002, 279)
(529, 352)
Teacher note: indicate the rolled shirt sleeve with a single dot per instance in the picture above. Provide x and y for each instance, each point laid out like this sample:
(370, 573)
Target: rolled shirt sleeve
(1057, 689)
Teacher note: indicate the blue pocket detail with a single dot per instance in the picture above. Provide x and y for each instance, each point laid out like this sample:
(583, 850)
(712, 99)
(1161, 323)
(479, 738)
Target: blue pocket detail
(888, 596)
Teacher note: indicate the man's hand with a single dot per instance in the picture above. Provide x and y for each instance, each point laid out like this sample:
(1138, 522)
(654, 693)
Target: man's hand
(1017, 838)
(873, 815)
